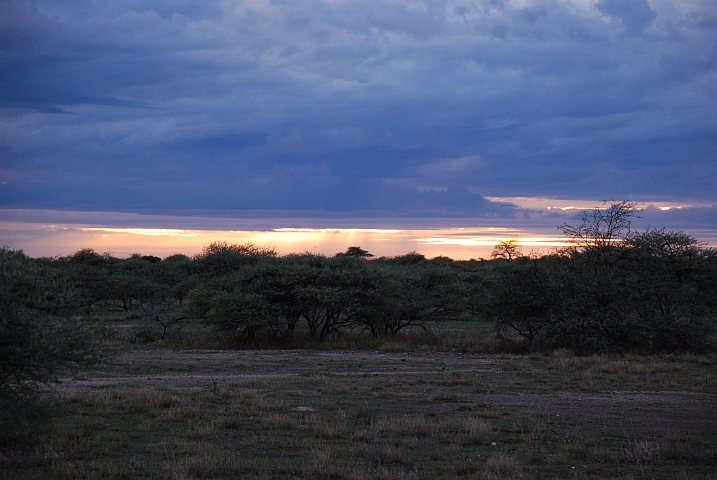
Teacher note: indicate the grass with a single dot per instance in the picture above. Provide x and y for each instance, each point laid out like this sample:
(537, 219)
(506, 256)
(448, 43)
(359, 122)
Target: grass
(366, 415)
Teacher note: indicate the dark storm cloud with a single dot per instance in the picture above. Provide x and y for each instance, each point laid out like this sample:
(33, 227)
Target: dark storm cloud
(355, 106)
(634, 14)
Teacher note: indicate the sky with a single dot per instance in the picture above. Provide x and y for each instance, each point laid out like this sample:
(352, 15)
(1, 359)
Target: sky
(420, 116)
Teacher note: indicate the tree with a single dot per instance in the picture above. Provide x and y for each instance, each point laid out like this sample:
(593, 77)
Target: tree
(601, 230)
(669, 245)
(523, 298)
(625, 291)
(337, 295)
(410, 258)
(89, 273)
(220, 258)
(507, 250)
(356, 252)
(164, 311)
(677, 299)
(412, 296)
(254, 302)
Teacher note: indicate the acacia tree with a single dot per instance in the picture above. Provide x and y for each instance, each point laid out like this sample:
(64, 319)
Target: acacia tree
(507, 250)
(601, 230)
(524, 297)
(356, 252)
(414, 296)
(89, 272)
(677, 298)
(164, 311)
(220, 258)
(651, 291)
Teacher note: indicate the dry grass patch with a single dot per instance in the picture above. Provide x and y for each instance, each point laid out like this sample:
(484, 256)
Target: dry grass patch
(380, 453)
(464, 430)
(61, 442)
(252, 403)
(643, 450)
(414, 425)
(244, 384)
(463, 468)
(535, 430)
(101, 401)
(476, 431)
(280, 422)
(709, 359)
(656, 372)
(326, 461)
(327, 426)
(499, 466)
(318, 381)
(201, 429)
(208, 461)
(89, 469)
(166, 405)
(151, 400)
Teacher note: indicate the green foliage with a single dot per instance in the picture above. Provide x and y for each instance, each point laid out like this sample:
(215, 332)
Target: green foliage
(254, 301)
(89, 273)
(611, 290)
(678, 293)
(270, 298)
(416, 296)
(220, 258)
(524, 297)
(38, 336)
(614, 290)
(411, 258)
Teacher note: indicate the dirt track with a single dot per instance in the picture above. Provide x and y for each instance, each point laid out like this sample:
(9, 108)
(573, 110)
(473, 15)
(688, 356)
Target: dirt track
(639, 410)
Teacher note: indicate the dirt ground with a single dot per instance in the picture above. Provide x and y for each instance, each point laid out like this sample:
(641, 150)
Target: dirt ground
(638, 410)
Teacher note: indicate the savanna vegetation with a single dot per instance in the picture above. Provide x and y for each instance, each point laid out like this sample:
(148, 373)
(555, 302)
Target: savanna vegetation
(615, 310)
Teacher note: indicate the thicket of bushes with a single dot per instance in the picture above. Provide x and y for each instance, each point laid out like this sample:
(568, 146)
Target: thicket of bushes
(611, 290)
(39, 334)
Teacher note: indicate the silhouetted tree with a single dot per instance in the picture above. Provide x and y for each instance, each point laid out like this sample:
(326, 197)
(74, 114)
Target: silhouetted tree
(601, 230)
(507, 250)
(356, 252)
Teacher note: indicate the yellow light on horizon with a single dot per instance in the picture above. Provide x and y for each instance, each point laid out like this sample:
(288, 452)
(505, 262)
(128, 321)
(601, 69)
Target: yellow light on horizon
(460, 243)
(492, 241)
(152, 232)
(335, 230)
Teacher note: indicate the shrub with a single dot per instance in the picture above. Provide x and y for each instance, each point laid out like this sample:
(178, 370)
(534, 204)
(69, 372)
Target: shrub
(613, 290)
(37, 336)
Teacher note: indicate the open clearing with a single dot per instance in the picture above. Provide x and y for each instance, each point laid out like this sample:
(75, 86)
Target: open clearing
(177, 370)
(331, 414)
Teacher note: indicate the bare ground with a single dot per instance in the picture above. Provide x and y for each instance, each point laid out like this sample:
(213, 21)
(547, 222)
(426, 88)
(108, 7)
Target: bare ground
(641, 411)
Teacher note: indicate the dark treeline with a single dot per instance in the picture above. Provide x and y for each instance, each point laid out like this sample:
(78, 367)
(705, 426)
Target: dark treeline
(610, 290)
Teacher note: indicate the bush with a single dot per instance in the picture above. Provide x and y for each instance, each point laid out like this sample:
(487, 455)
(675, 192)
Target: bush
(38, 337)
(614, 290)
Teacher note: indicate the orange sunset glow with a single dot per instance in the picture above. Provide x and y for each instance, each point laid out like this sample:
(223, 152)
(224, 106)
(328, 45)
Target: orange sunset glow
(458, 243)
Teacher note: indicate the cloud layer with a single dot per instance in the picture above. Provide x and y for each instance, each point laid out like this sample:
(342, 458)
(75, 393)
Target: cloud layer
(355, 106)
